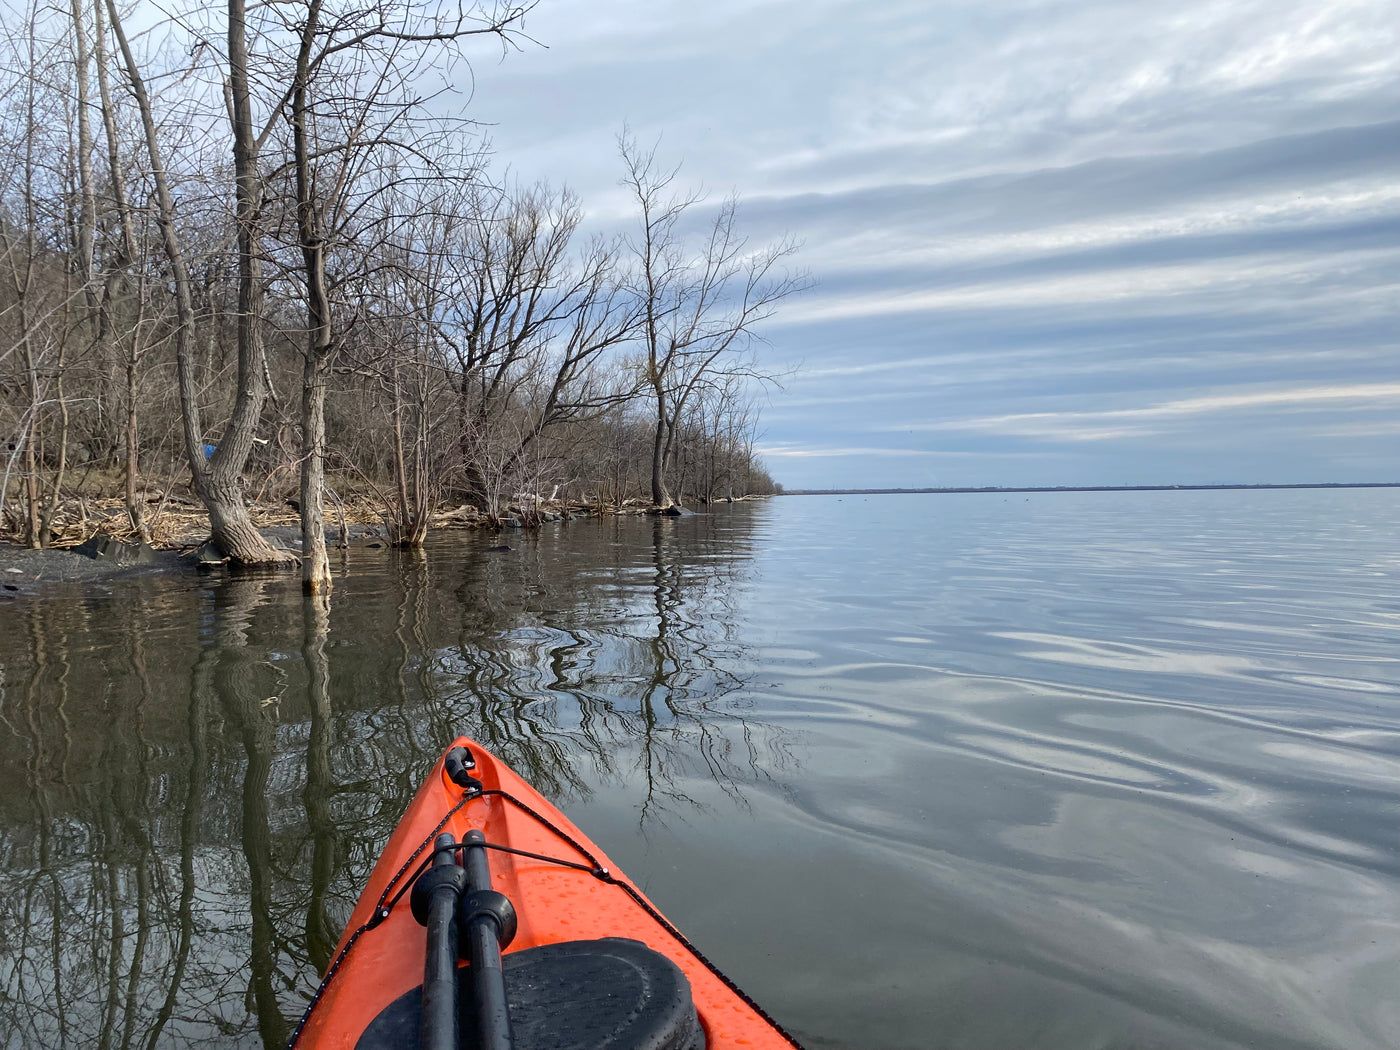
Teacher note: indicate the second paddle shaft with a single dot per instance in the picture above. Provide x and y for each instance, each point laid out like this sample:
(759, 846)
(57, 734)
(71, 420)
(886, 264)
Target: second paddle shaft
(485, 920)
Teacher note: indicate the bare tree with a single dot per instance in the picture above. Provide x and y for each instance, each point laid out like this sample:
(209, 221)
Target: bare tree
(700, 306)
(514, 287)
(530, 329)
(352, 107)
(395, 343)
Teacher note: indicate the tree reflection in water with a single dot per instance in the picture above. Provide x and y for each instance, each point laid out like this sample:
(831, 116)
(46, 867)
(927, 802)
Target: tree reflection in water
(204, 772)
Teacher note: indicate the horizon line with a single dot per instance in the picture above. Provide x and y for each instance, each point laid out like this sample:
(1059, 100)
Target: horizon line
(1090, 488)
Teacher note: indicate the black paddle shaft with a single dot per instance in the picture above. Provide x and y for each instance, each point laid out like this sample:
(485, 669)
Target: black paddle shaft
(486, 920)
(440, 888)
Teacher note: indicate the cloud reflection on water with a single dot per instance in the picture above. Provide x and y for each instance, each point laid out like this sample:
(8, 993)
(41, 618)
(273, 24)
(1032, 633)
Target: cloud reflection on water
(1062, 771)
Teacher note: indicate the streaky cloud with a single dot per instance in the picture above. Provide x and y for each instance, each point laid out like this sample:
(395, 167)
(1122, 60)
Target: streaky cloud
(1114, 424)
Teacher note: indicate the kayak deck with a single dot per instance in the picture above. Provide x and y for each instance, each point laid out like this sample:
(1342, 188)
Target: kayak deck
(568, 891)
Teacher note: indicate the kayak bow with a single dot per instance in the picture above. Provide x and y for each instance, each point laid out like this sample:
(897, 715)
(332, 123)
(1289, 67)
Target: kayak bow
(491, 922)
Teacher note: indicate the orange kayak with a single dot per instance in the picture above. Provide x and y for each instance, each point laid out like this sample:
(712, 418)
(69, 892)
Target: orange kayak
(491, 922)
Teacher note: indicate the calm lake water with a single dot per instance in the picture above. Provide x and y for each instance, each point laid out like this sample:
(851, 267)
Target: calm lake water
(1052, 771)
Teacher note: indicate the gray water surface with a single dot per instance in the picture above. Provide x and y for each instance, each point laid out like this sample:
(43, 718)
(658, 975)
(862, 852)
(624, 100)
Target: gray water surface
(1069, 770)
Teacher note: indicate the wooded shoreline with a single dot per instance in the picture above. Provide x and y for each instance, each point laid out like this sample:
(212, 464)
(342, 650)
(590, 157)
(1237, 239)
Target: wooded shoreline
(271, 271)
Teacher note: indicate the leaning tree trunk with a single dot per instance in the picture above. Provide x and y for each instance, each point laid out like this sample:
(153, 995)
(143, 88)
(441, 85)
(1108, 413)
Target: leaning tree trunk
(218, 481)
(222, 489)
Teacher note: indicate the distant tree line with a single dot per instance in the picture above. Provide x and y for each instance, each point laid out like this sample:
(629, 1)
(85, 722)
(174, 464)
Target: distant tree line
(242, 246)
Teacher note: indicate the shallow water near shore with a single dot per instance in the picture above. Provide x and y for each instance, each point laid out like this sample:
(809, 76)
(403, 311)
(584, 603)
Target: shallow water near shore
(1066, 770)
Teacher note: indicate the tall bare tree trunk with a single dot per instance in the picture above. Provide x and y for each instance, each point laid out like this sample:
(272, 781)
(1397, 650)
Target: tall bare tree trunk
(315, 564)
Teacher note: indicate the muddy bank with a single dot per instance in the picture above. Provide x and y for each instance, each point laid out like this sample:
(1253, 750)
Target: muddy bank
(104, 557)
(22, 570)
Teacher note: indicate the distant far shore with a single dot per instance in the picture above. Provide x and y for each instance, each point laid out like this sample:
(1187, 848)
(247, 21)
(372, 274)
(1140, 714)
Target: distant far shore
(1091, 488)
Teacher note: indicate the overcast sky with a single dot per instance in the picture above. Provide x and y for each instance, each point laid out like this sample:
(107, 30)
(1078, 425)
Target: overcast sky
(1055, 241)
